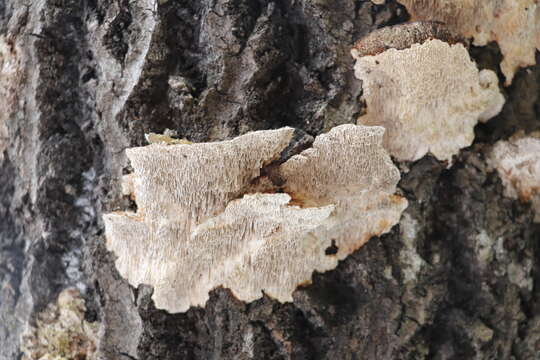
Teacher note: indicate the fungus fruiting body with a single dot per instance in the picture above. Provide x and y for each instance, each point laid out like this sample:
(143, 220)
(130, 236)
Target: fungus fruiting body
(239, 214)
(513, 24)
(428, 96)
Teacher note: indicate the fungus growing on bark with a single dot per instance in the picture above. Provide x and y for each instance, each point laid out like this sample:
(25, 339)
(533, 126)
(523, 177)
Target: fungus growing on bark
(517, 162)
(249, 215)
(348, 168)
(428, 96)
(513, 24)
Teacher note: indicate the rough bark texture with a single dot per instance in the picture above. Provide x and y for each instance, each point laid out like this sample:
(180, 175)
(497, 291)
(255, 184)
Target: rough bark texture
(459, 278)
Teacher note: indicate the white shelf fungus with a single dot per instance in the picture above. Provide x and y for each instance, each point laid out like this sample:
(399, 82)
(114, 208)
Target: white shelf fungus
(428, 97)
(518, 164)
(513, 24)
(202, 221)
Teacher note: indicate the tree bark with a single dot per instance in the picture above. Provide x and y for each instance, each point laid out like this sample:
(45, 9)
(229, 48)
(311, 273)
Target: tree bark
(459, 278)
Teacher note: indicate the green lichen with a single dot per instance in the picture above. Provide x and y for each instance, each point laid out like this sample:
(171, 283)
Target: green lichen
(60, 332)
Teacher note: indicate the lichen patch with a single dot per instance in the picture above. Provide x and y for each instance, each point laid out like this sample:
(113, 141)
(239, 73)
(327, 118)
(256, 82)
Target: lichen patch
(61, 331)
(11, 75)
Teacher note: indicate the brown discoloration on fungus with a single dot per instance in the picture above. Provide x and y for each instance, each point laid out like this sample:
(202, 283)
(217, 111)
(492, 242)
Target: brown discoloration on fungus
(517, 162)
(402, 37)
(513, 24)
(416, 96)
(204, 225)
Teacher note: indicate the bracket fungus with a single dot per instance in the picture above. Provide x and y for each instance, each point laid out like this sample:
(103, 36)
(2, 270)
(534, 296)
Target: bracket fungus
(414, 93)
(517, 162)
(513, 24)
(249, 214)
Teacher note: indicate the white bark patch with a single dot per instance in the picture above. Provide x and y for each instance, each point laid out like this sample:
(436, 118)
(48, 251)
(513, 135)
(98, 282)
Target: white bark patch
(518, 163)
(484, 247)
(410, 258)
(417, 95)
(118, 79)
(203, 222)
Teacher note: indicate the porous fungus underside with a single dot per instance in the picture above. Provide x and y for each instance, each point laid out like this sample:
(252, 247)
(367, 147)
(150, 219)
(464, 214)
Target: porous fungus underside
(428, 96)
(239, 214)
(513, 24)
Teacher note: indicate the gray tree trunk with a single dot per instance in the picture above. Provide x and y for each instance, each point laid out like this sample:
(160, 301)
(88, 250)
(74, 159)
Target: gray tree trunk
(459, 278)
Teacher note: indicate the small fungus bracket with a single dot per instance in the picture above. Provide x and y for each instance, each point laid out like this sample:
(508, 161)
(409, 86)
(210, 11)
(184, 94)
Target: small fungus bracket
(413, 91)
(513, 24)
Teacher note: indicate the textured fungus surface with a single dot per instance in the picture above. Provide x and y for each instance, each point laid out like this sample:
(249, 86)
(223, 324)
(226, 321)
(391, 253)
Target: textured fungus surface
(416, 96)
(198, 227)
(349, 168)
(513, 24)
(517, 162)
